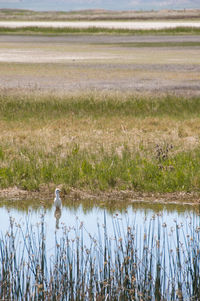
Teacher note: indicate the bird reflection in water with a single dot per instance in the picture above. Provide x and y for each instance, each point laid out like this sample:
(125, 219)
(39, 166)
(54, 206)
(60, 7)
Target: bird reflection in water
(58, 207)
(57, 215)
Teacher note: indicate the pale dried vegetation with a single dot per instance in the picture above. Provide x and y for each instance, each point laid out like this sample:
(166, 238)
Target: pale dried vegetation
(111, 132)
(90, 132)
(99, 14)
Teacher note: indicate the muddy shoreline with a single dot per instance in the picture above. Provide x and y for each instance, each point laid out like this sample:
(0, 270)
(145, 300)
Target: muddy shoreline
(127, 196)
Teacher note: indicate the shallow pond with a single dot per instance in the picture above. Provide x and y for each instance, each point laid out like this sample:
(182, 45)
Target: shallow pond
(155, 245)
(91, 218)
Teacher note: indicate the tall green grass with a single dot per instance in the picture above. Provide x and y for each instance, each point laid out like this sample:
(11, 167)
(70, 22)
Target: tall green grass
(100, 171)
(17, 108)
(96, 30)
(155, 263)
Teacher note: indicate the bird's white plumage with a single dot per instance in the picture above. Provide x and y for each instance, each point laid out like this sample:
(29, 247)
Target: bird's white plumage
(57, 200)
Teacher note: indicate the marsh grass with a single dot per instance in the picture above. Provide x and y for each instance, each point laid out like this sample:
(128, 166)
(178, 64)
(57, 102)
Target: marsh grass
(28, 160)
(96, 30)
(153, 263)
(102, 170)
(18, 107)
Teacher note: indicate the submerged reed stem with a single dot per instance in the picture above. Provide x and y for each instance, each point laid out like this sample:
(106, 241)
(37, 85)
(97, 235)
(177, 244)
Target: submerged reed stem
(149, 265)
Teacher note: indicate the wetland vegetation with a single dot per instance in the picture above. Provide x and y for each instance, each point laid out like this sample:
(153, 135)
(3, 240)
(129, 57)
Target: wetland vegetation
(100, 142)
(152, 262)
(97, 30)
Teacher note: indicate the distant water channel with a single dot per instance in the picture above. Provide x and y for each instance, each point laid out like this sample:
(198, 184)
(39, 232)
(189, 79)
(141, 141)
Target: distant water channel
(166, 234)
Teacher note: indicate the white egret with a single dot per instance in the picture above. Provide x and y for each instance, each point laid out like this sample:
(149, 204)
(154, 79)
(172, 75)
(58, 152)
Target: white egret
(57, 200)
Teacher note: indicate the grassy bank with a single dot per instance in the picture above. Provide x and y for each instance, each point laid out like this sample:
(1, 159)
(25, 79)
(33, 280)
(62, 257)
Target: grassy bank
(101, 170)
(100, 142)
(96, 30)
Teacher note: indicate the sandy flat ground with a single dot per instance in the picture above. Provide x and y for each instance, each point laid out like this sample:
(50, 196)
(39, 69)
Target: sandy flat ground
(100, 39)
(77, 63)
(103, 24)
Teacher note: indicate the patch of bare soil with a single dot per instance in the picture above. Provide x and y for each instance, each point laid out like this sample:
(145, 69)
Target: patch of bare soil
(135, 78)
(77, 195)
(100, 39)
(103, 63)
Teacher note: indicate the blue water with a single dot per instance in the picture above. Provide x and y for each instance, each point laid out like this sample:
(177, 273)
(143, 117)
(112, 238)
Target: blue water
(168, 232)
(93, 219)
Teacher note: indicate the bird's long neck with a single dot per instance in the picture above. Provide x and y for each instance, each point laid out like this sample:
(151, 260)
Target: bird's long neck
(57, 195)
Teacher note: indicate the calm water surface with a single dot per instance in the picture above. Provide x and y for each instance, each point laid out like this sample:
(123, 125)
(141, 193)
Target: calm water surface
(156, 244)
(92, 218)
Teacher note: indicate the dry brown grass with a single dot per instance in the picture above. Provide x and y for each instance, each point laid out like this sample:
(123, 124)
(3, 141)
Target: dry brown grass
(100, 14)
(112, 132)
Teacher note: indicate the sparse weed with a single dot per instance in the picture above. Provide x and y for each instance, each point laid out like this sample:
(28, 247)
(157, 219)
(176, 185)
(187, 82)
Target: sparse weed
(162, 151)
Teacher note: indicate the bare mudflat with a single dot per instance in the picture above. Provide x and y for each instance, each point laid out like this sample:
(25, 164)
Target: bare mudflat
(101, 39)
(102, 24)
(142, 64)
